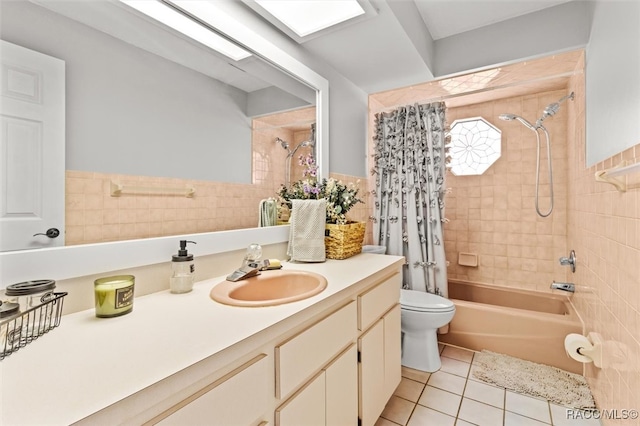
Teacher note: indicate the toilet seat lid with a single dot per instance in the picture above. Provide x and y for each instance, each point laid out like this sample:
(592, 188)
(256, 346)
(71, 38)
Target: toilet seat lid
(423, 301)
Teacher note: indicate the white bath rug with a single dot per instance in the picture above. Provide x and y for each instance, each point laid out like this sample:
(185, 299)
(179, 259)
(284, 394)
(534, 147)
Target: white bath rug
(530, 378)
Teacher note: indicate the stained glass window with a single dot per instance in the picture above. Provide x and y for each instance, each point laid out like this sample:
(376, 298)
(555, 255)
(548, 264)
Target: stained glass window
(474, 147)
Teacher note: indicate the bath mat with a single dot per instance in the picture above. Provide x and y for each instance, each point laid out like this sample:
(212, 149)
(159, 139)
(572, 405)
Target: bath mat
(530, 378)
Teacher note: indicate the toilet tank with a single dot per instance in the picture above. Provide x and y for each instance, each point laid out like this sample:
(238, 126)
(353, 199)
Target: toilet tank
(374, 249)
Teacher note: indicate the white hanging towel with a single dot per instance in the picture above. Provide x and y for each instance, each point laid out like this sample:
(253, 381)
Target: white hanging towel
(268, 212)
(306, 235)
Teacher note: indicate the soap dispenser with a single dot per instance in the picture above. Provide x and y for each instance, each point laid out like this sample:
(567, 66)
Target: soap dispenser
(183, 269)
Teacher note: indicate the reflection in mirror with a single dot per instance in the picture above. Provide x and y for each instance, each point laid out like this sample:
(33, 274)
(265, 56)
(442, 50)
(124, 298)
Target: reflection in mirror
(308, 143)
(280, 140)
(147, 106)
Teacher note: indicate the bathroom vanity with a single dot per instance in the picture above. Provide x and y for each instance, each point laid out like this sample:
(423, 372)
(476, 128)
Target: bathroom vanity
(333, 358)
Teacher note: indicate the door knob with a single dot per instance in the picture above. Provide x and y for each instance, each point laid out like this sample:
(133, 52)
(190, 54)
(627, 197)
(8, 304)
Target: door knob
(51, 233)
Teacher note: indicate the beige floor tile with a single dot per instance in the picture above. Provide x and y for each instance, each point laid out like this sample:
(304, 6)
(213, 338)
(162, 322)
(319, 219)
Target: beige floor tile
(409, 389)
(398, 410)
(527, 406)
(440, 400)
(423, 416)
(453, 366)
(448, 382)
(479, 413)
(513, 419)
(384, 422)
(417, 375)
(482, 392)
(458, 353)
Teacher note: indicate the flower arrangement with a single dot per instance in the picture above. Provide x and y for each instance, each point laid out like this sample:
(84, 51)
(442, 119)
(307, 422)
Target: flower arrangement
(340, 197)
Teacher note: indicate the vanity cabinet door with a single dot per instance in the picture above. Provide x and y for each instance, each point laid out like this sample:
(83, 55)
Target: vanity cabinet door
(371, 374)
(379, 368)
(306, 407)
(238, 398)
(330, 398)
(392, 351)
(342, 389)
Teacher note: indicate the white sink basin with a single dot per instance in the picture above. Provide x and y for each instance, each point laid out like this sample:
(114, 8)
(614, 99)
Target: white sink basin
(269, 288)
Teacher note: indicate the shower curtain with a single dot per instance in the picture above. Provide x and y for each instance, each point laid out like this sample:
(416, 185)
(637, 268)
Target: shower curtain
(409, 168)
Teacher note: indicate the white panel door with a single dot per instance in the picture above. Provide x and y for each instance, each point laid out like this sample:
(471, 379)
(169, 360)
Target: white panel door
(32, 141)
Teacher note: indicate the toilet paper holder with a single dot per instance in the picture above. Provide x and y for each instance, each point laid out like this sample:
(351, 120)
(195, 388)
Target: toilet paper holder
(585, 349)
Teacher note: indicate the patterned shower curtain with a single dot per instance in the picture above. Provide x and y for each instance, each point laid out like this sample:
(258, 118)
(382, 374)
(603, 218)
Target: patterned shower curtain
(409, 167)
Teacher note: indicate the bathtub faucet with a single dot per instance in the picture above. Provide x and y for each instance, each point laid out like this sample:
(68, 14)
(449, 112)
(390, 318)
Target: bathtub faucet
(570, 287)
(569, 261)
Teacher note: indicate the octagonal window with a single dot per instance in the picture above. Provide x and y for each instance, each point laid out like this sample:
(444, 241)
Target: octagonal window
(474, 147)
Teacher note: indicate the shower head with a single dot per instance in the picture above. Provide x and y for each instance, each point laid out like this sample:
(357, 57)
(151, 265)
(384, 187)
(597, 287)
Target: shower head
(312, 138)
(284, 144)
(507, 117)
(311, 142)
(553, 108)
(511, 117)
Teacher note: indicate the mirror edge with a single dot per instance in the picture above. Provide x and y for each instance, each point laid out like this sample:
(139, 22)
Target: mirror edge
(76, 261)
(60, 263)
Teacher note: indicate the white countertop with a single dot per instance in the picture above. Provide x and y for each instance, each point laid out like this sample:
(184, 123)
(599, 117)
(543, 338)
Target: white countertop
(88, 363)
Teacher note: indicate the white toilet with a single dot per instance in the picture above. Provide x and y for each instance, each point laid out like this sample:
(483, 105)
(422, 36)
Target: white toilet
(422, 314)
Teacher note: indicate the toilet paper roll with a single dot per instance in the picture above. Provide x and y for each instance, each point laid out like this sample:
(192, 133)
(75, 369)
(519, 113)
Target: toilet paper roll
(573, 342)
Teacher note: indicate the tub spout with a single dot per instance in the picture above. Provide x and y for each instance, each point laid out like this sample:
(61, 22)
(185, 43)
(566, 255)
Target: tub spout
(570, 287)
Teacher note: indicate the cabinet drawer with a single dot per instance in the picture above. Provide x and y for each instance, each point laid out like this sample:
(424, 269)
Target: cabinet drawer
(239, 398)
(375, 302)
(304, 354)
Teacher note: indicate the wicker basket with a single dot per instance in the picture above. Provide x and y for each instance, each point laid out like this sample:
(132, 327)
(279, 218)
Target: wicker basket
(343, 241)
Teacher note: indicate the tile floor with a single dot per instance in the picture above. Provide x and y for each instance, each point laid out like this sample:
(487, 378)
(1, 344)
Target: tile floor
(452, 396)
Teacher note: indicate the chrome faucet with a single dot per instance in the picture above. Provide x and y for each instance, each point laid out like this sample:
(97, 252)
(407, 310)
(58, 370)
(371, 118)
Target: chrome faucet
(569, 261)
(250, 267)
(569, 287)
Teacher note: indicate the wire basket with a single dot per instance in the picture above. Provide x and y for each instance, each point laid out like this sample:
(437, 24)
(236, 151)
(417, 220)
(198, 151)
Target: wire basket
(18, 331)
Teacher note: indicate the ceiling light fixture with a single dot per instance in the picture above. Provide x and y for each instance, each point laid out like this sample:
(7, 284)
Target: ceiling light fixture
(306, 17)
(188, 27)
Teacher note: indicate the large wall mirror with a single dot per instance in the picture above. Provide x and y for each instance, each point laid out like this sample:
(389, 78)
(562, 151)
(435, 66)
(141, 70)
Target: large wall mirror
(145, 102)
